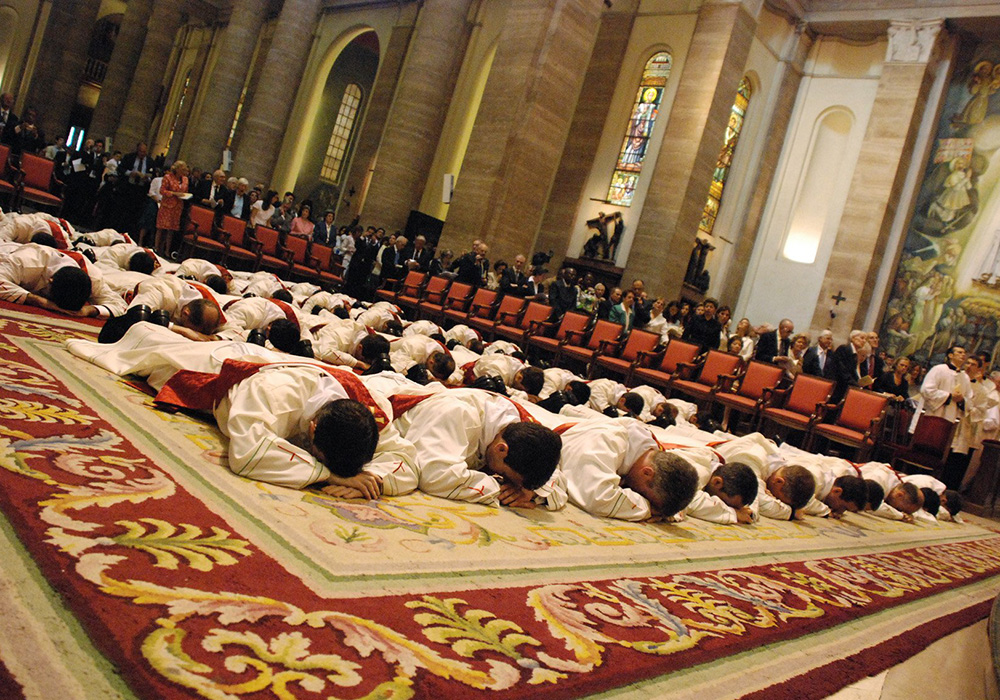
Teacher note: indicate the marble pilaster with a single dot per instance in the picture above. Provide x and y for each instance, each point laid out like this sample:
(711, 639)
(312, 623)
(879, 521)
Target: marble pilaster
(124, 57)
(62, 92)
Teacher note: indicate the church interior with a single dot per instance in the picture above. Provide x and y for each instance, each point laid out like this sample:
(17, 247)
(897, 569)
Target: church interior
(818, 173)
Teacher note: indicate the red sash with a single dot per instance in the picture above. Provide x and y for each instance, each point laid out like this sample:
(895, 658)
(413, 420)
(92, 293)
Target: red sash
(202, 391)
(468, 375)
(401, 403)
(206, 293)
(59, 235)
(79, 258)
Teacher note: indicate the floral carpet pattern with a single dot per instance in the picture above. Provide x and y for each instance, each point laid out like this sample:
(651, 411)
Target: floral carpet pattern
(183, 580)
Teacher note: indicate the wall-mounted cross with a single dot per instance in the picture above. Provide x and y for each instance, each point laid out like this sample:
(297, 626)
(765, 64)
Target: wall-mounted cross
(839, 297)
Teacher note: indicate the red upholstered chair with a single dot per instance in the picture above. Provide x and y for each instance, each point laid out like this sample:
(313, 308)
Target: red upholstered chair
(456, 300)
(610, 361)
(517, 328)
(296, 249)
(929, 446)
(701, 383)
(480, 310)
(750, 394)
(858, 422)
(413, 281)
(269, 254)
(571, 321)
(39, 183)
(431, 304)
(677, 354)
(200, 233)
(238, 245)
(326, 266)
(10, 178)
(580, 347)
(799, 407)
(510, 307)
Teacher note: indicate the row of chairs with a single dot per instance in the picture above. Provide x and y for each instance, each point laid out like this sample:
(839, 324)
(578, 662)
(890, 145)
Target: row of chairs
(30, 179)
(262, 248)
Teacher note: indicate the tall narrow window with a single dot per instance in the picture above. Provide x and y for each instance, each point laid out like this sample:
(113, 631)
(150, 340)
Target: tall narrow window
(725, 160)
(640, 127)
(236, 118)
(180, 106)
(340, 139)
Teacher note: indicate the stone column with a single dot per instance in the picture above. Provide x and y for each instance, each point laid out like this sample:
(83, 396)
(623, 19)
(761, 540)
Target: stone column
(417, 114)
(585, 133)
(779, 106)
(60, 94)
(522, 125)
(184, 115)
(121, 67)
(225, 84)
(665, 233)
(376, 115)
(265, 124)
(57, 28)
(903, 87)
(146, 82)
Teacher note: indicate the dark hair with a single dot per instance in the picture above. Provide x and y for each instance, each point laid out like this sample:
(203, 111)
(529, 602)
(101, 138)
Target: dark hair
(143, 262)
(852, 490)
(498, 263)
(284, 335)
(675, 482)
(800, 485)
(441, 365)
(373, 346)
(633, 403)
(932, 502)
(532, 451)
(269, 199)
(876, 494)
(339, 312)
(70, 288)
(476, 346)
(197, 310)
(953, 501)
(346, 434)
(912, 493)
(580, 391)
(216, 284)
(738, 479)
(440, 338)
(393, 327)
(45, 239)
(532, 379)
(282, 295)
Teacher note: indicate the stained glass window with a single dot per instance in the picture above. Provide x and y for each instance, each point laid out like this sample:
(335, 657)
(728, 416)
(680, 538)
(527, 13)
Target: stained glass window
(180, 106)
(341, 136)
(725, 161)
(640, 127)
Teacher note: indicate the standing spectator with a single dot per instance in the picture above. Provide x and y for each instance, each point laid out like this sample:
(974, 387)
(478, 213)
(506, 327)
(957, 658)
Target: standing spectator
(302, 225)
(775, 343)
(27, 136)
(213, 194)
(724, 315)
(895, 382)
(623, 312)
(393, 260)
(262, 211)
(324, 232)
(874, 366)
(605, 305)
(848, 358)
(135, 171)
(745, 333)
(563, 292)
(657, 321)
(819, 360)
(792, 363)
(241, 203)
(52, 150)
(641, 305)
(168, 220)
(442, 263)
(534, 288)
(473, 267)
(419, 256)
(705, 330)
(586, 298)
(493, 279)
(513, 281)
(366, 247)
(147, 224)
(8, 120)
(347, 244)
(281, 220)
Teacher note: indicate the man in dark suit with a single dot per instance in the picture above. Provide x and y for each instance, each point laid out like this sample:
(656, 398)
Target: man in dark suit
(366, 248)
(325, 233)
(513, 281)
(705, 330)
(393, 261)
(873, 366)
(213, 194)
(472, 267)
(135, 170)
(418, 255)
(8, 120)
(846, 361)
(818, 360)
(775, 343)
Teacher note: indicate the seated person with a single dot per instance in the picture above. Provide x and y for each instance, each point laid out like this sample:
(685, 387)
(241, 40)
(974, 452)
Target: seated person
(187, 308)
(54, 280)
(616, 469)
(476, 446)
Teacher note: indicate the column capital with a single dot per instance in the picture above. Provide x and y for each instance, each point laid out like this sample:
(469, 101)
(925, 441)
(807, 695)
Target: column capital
(913, 41)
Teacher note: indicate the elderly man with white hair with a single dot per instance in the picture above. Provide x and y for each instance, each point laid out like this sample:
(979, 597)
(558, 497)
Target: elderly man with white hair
(241, 199)
(847, 359)
(818, 360)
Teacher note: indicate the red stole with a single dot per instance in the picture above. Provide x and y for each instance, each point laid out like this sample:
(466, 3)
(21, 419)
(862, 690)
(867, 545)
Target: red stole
(59, 234)
(78, 258)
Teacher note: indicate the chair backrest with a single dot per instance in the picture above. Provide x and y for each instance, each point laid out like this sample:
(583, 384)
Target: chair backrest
(535, 312)
(759, 376)
(203, 219)
(4, 157)
(603, 330)
(236, 228)
(718, 363)
(482, 302)
(458, 295)
(639, 341)
(572, 321)
(807, 391)
(413, 280)
(324, 254)
(37, 171)
(435, 290)
(678, 352)
(860, 409)
(509, 305)
(932, 435)
(268, 239)
(299, 247)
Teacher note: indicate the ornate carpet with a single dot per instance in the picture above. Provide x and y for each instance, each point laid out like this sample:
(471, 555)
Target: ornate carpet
(137, 565)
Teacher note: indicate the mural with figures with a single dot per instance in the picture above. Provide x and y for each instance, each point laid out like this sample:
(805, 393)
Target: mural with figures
(947, 287)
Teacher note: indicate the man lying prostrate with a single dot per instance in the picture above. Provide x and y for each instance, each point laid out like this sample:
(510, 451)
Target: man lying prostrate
(325, 300)
(422, 359)
(725, 492)
(616, 469)
(216, 277)
(382, 316)
(55, 280)
(257, 284)
(465, 336)
(341, 341)
(187, 308)
(839, 485)
(523, 382)
(502, 347)
(423, 327)
(104, 237)
(658, 408)
(949, 501)
(34, 228)
(557, 379)
(243, 316)
(301, 291)
(131, 258)
(481, 447)
(901, 500)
